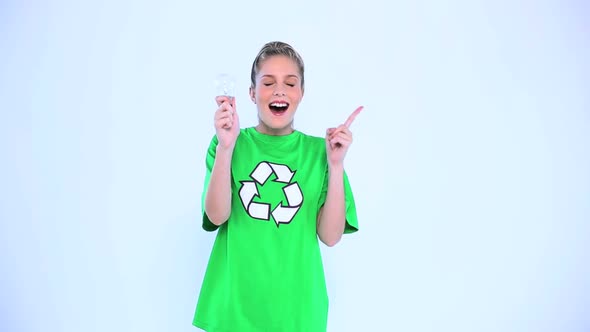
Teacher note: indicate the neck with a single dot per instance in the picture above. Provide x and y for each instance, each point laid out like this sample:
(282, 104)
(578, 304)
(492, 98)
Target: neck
(263, 129)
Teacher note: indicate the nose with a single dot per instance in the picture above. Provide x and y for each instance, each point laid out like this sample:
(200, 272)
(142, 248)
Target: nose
(278, 93)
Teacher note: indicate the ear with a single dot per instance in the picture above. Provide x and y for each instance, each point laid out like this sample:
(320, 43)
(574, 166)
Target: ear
(252, 95)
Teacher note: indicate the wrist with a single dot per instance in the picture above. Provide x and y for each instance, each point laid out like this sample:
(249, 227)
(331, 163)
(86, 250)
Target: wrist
(226, 151)
(337, 168)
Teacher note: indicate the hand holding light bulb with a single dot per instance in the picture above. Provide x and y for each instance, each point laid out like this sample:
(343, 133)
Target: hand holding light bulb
(226, 120)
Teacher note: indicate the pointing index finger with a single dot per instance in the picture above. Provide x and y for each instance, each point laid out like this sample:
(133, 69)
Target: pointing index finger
(352, 116)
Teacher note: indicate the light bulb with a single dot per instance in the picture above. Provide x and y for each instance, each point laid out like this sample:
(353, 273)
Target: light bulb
(225, 85)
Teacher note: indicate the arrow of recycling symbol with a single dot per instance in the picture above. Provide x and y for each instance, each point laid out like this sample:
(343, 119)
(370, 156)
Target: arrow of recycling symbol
(282, 214)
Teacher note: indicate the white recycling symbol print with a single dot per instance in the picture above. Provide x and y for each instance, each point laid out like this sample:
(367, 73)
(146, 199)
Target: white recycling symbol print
(282, 214)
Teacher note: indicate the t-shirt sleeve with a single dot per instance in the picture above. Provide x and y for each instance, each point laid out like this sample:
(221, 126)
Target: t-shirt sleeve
(209, 160)
(350, 207)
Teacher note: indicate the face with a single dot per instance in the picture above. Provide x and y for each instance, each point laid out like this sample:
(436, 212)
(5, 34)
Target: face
(277, 95)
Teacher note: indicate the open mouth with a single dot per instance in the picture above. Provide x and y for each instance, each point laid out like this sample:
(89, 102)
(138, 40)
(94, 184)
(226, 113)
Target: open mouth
(278, 107)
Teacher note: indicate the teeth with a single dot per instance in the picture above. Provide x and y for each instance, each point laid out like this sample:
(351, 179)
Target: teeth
(279, 104)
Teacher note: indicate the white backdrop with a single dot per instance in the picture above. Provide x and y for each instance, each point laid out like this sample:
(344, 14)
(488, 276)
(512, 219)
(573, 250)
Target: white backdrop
(470, 164)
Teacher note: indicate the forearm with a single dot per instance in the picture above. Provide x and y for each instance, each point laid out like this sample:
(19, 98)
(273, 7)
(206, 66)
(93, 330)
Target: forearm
(332, 219)
(218, 198)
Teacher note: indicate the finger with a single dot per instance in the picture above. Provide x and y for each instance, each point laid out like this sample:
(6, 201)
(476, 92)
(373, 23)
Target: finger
(221, 99)
(352, 116)
(235, 114)
(224, 117)
(339, 142)
(231, 101)
(226, 106)
(340, 129)
(223, 113)
(224, 123)
(220, 110)
(333, 131)
(342, 136)
(234, 109)
(231, 107)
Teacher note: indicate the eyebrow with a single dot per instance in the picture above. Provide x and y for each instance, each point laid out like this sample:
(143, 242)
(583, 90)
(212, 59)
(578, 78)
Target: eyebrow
(273, 76)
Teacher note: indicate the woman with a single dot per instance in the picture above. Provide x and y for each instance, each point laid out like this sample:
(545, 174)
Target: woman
(271, 192)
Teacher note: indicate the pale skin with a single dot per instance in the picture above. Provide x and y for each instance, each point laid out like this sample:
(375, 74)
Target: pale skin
(332, 216)
(278, 79)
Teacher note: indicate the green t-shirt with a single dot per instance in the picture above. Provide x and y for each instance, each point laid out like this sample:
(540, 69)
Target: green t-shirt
(265, 271)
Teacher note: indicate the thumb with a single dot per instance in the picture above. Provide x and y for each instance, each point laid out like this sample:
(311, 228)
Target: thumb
(220, 99)
(232, 101)
(236, 116)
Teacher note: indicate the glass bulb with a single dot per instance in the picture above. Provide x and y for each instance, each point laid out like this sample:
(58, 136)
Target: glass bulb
(225, 85)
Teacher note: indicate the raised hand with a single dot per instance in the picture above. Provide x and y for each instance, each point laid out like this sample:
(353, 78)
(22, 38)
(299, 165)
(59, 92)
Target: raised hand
(227, 122)
(338, 140)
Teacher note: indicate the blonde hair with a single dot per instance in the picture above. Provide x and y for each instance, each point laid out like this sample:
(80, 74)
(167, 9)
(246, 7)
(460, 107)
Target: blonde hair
(276, 48)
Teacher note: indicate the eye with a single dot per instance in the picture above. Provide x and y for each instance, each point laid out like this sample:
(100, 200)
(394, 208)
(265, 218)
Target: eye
(291, 84)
